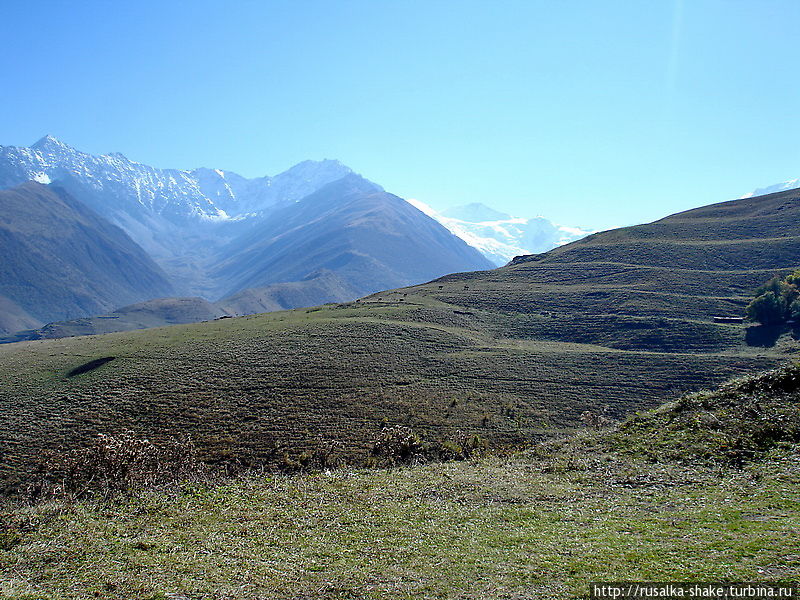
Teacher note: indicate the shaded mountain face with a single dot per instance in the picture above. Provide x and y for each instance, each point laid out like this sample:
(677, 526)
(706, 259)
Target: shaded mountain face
(61, 260)
(179, 217)
(347, 240)
(14, 318)
(370, 239)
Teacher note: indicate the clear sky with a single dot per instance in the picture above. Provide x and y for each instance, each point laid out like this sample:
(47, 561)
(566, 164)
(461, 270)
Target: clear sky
(595, 113)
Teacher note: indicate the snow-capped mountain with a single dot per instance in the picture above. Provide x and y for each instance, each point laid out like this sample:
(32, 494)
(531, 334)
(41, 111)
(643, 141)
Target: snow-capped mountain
(316, 233)
(201, 195)
(778, 187)
(179, 217)
(499, 236)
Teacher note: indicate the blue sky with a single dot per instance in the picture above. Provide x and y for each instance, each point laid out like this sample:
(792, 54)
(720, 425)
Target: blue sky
(590, 113)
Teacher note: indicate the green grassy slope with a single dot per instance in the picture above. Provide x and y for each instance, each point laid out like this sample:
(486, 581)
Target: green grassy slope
(599, 506)
(513, 354)
(666, 279)
(281, 380)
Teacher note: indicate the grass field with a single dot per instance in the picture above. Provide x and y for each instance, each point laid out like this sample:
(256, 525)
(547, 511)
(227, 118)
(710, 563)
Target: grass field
(257, 387)
(658, 499)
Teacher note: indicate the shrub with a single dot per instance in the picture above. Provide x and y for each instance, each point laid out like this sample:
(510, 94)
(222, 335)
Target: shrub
(324, 456)
(794, 310)
(596, 420)
(767, 309)
(116, 464)
(398, 445)
(776, 301)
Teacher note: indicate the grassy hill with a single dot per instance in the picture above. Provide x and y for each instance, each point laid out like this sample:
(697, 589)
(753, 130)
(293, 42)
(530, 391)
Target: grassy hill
(514, 354)
(656, 499)
(659, 283)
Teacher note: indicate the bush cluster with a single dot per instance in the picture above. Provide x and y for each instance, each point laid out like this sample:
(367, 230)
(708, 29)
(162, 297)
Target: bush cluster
(399, 445)
(777, 301)
(118, 463)
(324, 456)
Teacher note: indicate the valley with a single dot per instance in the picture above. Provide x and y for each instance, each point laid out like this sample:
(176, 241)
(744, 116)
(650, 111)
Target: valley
(370, 300)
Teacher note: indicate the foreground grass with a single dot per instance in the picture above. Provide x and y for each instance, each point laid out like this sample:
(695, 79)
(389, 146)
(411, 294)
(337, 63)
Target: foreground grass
(522, 527)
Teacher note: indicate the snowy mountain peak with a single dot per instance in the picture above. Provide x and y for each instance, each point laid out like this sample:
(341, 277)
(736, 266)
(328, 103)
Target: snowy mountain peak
(50, 143)
(498, 236)
(778, 187)
(114, 184)
(312, 169)
(475, 213)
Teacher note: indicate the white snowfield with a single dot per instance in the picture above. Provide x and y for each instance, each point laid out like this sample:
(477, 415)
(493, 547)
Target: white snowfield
(501, 237)
(778, 187)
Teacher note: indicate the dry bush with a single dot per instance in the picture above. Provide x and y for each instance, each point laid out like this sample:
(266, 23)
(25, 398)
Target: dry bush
(324, 456)
(595, 420)
(397, 445)
(401, 446)
(115, 464)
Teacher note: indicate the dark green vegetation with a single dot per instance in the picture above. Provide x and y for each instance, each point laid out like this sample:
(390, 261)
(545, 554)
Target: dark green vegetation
(777, 301)
(617, 322)
(61, 260)
(658, 499)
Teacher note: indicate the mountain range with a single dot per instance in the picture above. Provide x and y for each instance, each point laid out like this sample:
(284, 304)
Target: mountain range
(316, 233)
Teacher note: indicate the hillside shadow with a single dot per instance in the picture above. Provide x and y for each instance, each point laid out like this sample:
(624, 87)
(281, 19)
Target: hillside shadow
(764, 336)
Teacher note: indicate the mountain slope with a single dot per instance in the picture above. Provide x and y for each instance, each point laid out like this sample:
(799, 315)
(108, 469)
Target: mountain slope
(370, 239)
(654, 286)
(61, 260)
(612, 324)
